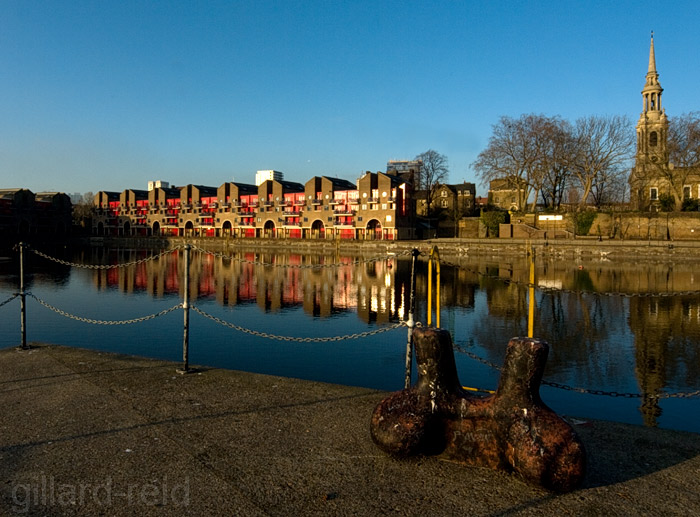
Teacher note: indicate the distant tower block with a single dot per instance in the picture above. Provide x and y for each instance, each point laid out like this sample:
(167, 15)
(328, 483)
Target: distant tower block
(262, 176)
(158, 184)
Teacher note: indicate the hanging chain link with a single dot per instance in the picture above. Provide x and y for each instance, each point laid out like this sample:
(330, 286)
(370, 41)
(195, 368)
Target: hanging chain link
(506, 281)
(302, 266)
(104, 322)
(9, 299)
(106, 266)
(296, 339)
(587, 391)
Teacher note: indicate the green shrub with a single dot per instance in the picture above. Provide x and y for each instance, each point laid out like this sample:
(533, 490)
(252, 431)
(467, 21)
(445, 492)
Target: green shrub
(583, 222)
(492, 219)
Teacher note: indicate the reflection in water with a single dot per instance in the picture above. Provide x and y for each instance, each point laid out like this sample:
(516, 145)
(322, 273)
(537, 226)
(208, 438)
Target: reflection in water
(323, 285)
(626, 344)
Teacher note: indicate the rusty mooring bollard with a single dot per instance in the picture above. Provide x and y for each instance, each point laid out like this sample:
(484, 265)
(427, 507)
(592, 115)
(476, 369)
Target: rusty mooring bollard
(512, 430)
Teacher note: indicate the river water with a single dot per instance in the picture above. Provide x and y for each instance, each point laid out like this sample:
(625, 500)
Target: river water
(631, 330)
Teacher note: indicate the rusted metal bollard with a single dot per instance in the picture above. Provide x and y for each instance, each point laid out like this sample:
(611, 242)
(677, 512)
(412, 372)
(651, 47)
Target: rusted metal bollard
(512, 430)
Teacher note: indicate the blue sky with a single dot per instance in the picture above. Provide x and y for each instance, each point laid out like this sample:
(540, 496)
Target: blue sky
(107, 95)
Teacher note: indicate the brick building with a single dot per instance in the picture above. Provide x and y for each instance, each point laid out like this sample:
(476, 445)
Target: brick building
(379, 206)
(24, 213)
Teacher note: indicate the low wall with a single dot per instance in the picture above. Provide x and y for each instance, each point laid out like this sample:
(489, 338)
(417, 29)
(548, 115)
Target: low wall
(581, 248)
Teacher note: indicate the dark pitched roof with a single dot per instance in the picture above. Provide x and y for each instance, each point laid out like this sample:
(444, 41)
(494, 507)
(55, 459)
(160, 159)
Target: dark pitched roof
(341, 184)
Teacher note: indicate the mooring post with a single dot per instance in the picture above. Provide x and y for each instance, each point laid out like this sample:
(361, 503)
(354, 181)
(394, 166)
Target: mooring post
(22, 299)
(411, 321)
(186, 310)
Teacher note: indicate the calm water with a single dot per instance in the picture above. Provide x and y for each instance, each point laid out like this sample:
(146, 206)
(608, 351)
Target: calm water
(610, 342)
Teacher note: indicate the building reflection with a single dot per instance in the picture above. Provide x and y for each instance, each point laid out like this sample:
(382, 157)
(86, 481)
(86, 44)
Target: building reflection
(583, 329)
(665, 354)
(322, 285)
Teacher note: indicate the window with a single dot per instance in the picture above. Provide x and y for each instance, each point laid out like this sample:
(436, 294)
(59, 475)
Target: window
(653, 139)
(686, 192)
(653, 193)
(443, 193)
(444, 203)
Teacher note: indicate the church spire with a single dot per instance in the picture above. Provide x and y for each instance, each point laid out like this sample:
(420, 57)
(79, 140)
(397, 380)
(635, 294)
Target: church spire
(652, 57)
(651, 94)
(652, 128)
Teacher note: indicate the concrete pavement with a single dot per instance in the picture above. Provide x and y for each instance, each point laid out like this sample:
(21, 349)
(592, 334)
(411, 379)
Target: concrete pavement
(91, 433)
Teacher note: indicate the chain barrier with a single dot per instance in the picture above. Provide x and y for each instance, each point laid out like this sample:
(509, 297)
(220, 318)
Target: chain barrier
(106, 266)
(296, 339)
(587, 391)
(506, 281)
(221, 255)
(9, 299)
(104, 322)
(301, 266)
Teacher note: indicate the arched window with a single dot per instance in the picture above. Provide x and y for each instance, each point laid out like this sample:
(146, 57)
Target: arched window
(653, 139)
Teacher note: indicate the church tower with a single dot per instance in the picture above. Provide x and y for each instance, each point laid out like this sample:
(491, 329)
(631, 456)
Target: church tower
(652, 128)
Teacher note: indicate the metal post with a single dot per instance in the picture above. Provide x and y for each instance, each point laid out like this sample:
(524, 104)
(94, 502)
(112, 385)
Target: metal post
(186, 309)
(434, 257)
(22, 299)
(531, 296)
(411, 322)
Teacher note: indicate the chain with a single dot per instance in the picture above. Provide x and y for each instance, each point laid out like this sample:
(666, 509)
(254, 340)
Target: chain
(300, 266)
(551, 290)
(296, 339)
(105, 266)
(9, 299)
(103, 322)
(552, 384)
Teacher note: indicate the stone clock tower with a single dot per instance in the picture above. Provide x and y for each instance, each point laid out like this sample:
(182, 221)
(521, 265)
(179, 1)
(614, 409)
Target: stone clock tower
(652, 128)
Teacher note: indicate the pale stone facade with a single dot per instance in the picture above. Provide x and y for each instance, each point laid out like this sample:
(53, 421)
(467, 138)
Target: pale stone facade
(654, 175)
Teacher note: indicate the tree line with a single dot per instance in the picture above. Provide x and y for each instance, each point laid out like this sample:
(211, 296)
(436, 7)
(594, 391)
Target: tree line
(550, 160)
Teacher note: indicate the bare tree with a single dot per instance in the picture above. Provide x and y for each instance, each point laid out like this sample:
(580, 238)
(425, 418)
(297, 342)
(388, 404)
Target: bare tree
(554, 143)
(83, 210)
(512, 155)
(604, 147)
(432, 173)
(683, 152)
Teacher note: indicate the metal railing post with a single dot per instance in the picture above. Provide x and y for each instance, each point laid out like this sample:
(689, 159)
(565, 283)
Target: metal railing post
(531, 296)
(434, 257)
(186, 310)
(22, 299)
(411, 321)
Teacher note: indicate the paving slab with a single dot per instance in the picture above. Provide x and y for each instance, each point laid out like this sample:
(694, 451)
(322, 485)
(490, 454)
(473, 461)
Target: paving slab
(93, 433)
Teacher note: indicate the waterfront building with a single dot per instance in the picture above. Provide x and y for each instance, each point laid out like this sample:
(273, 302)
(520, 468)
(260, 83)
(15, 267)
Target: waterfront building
(238, 204)
(24, 213)
(379, 206)
(164, 209)
(654, 175)
(507, 193)
(198, 206)
(458, 198)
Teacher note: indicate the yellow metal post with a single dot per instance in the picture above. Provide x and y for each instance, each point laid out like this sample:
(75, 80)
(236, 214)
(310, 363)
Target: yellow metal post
(531, 296)
(434, 257)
